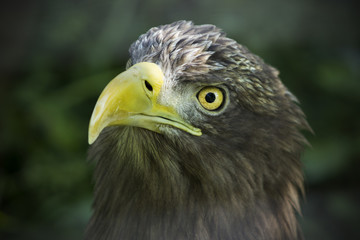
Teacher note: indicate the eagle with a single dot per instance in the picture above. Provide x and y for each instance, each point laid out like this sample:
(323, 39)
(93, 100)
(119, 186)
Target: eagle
(197, 139)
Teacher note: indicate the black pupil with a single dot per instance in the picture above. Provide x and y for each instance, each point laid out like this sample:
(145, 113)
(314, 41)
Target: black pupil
(148, 86)
(210, 97)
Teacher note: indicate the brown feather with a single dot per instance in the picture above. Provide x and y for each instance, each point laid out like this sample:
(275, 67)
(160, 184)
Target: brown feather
(239, 180)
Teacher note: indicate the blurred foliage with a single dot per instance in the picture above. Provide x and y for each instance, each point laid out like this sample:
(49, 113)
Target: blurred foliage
(56, 57)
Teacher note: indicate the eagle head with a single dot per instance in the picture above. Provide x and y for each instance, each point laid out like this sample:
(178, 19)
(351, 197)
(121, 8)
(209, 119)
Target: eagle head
(197, 139)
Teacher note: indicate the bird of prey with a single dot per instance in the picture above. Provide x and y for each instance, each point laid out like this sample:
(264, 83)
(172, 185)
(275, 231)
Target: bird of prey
(197, 139)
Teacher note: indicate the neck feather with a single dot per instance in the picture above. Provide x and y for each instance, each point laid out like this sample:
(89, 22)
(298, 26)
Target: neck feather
(148, 186)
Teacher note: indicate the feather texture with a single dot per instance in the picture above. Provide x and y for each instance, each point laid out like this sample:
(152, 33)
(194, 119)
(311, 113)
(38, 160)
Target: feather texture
(240, 180)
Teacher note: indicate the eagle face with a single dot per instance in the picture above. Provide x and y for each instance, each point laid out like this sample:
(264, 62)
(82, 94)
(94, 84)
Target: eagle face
(197, 139)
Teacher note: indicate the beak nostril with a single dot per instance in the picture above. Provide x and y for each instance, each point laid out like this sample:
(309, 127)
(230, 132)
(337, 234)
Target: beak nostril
(148, 86)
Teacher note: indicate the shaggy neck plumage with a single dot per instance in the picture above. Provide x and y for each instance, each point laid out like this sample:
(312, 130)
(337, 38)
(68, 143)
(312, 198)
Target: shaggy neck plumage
(148, 186)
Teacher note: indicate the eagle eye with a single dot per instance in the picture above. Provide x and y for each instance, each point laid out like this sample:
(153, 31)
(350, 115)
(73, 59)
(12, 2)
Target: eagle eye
(211, 98)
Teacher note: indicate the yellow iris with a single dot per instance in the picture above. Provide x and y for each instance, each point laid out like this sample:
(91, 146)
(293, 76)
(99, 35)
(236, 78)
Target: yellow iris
(211, 98)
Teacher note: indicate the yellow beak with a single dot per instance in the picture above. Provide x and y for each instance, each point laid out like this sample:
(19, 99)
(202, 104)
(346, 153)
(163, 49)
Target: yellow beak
(131, 99)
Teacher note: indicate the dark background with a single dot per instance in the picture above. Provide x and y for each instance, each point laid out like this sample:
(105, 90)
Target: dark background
(57, 56)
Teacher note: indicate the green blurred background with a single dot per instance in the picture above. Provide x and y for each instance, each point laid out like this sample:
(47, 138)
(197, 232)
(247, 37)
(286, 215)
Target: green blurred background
(57, 56)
